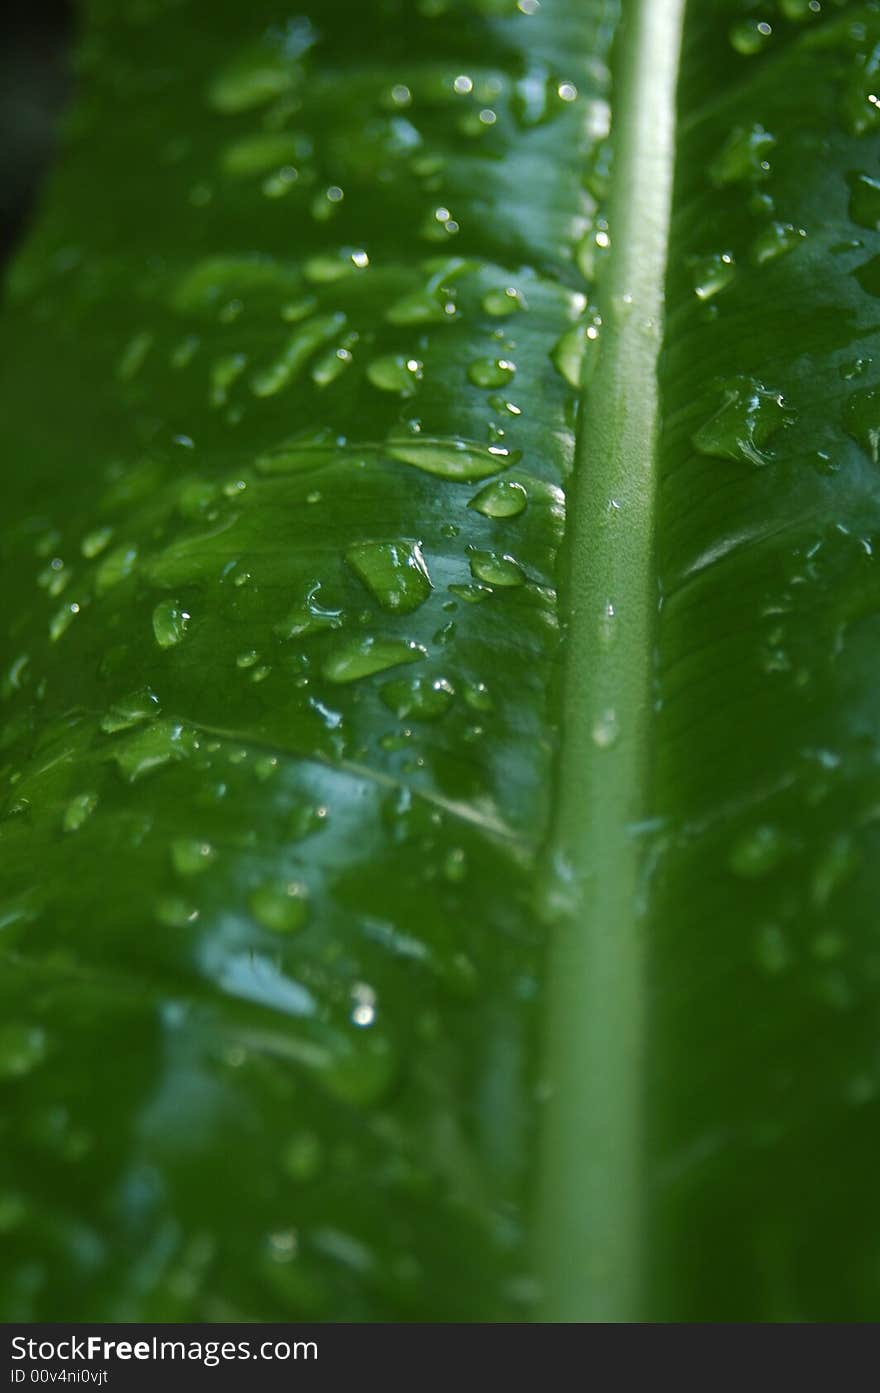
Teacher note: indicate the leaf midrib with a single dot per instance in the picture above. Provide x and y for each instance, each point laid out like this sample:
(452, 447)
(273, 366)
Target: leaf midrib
(590, 1230)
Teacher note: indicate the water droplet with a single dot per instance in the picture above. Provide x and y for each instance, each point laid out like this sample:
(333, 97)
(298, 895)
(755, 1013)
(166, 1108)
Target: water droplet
(749, 415)
(495, 569)
(607, 627)
(361, 1070)
(303, 1157)
(503, 302)
(130, 711)
(328, 267)
(774, 241)
(864, 201)
(834, 867)
(22, 1048)
(570, 353)
(282, 907)
(395, 373)
(133, 356)
(191, 855)
(333, 363)
(861, 419)
(472, 594)
(161, 743)
(170, 622)
(294, 356)
(861, 96)
(175, 913)
(224, 374)
(259, 154)
(606, 729)
(260, 74)
(750, 36)
(95, 542)
(281, 182)
(310, 617)
(455, 870)
(304, 452)
(363, 1011)
(772, 953)
(743, 156)
(419, 307)
(868, 276)
(307, 819)
(449, 458)
(62, 620)
(713, 274)
(418, 698)
(854, 367)
(363, 657)
(478, 697)
(503, 498)
(491, 372)
(78, 811)
(757, 852)
(283, 1245)
(394, 572)
(115, 567)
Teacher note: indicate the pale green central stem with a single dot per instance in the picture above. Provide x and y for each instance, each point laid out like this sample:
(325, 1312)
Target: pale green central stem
(591, 1230)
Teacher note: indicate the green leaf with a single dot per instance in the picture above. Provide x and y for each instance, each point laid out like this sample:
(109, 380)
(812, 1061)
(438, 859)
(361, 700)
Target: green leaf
(414, 905)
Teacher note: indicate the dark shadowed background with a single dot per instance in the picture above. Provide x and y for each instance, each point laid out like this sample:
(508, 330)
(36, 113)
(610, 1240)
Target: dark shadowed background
(34, 85)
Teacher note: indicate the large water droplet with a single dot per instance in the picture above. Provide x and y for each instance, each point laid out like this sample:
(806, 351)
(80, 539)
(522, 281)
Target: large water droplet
(491, 372)
(363, 657)
(861, 419)
(743, 156)
(493, 568)
(750, 36)
(861, 93)
(176, 912)
(394, 572)
(774, 241)
(712, 274)
(310, 617)
(418, 698)
(395, 373)
(503, 498)
(864, 201)
(570, 353)
(748, 416)
(295, 354)
(163, 742)
(170, 621)
(327, 267)
(606, 729)
(300, 454)
(115, 567)
(282, 907)
(448, 458)
(504, 301)
(78, 811)
(130, 711)
(93, 543)
(260, 74)
(191, 855)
